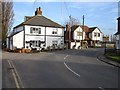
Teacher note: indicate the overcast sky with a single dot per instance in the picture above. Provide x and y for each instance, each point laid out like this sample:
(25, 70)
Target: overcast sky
(101, 14)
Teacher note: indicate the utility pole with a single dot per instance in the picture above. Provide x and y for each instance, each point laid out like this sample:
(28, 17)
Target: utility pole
(82, 32)
(70, 32)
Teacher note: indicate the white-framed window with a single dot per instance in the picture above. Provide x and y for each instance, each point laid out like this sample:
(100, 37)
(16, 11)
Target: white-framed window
(96, 34)
(55, 31)
(79, 33)
(35, 30)
(54, 43)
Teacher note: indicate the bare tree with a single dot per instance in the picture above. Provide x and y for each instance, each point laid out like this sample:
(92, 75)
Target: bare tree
(0, 20)
(7, 18)
(72, 21)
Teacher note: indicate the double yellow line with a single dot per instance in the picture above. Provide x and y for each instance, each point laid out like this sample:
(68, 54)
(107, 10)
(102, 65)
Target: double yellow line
(15, 75)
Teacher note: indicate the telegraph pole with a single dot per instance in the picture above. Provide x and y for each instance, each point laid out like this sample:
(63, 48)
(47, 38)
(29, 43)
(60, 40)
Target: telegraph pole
(82, 31)
(70, 32)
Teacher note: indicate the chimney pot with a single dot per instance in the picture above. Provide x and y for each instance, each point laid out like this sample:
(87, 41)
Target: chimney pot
(38, 11)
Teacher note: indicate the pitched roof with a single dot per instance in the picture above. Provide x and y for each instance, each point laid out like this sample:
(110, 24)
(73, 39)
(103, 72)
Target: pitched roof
(85, 28)
(74, 27)
(118, 33)
(91, 29)
(40, 21)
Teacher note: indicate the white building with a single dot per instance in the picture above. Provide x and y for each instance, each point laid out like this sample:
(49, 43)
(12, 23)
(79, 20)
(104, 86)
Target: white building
(95, 35)
(82, 36)
(77, 35)
(36, 32)
(118, 35)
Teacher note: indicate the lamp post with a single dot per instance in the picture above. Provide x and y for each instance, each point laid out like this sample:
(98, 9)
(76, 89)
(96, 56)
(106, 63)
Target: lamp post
(105, 48)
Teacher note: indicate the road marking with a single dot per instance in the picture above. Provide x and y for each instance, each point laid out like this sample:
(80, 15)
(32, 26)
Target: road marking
(16, 77)
(66, 57)
(71, 70)
(101, 88)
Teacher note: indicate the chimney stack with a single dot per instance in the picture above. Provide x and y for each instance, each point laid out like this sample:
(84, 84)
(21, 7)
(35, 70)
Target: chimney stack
(38, 11)
(67, 27)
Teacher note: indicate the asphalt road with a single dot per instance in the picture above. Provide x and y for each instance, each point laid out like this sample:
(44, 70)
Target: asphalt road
(65, 69)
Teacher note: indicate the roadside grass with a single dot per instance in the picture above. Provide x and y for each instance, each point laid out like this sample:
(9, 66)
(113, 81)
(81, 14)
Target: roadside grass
(114, 57)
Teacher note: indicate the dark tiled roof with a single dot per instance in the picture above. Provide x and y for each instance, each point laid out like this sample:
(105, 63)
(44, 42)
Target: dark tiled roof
(40, 21)
(92, 29)
(14, 33)
(74, 27)
(117, 33)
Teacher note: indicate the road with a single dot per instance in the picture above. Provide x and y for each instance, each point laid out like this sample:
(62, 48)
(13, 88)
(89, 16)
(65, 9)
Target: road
(64, 69)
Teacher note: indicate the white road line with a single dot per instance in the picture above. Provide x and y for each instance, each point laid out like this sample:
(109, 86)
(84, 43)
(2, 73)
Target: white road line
(101, 88)
(16, 76)
(66, 57)
(71, 70)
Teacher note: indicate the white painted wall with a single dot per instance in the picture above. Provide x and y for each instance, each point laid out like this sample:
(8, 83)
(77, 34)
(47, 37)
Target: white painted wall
(49, 36)
(96, 38)
(49, 31)
(76, 37)
(117, 41)
(78, 44)
(72, 44)
(18, 40)
(49, 41)
(27, 30)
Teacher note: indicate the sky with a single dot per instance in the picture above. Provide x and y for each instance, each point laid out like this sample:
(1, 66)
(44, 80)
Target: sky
(101, 14)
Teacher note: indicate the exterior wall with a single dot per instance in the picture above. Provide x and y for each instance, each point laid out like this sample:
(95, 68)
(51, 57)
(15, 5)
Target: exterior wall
(50, 37)
(118, 41)
(76, 45)
(27, 30)
(50, 41)
(96, 38)
(72, 44)
(49, 30)
(46, 36)
(76, 37)
(18, 40)
(33, 38)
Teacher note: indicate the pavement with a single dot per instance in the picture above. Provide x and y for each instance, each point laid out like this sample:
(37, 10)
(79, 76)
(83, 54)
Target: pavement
(108, 61)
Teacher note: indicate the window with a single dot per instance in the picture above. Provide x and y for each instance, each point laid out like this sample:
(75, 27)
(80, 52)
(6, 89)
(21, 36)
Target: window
(54, 31)
(39, 31)
(117, 41)
(98, 34)
(31, 30)
(34, 44)
(79, 33)
(35, 30)
(95, 34)
(54, 43)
